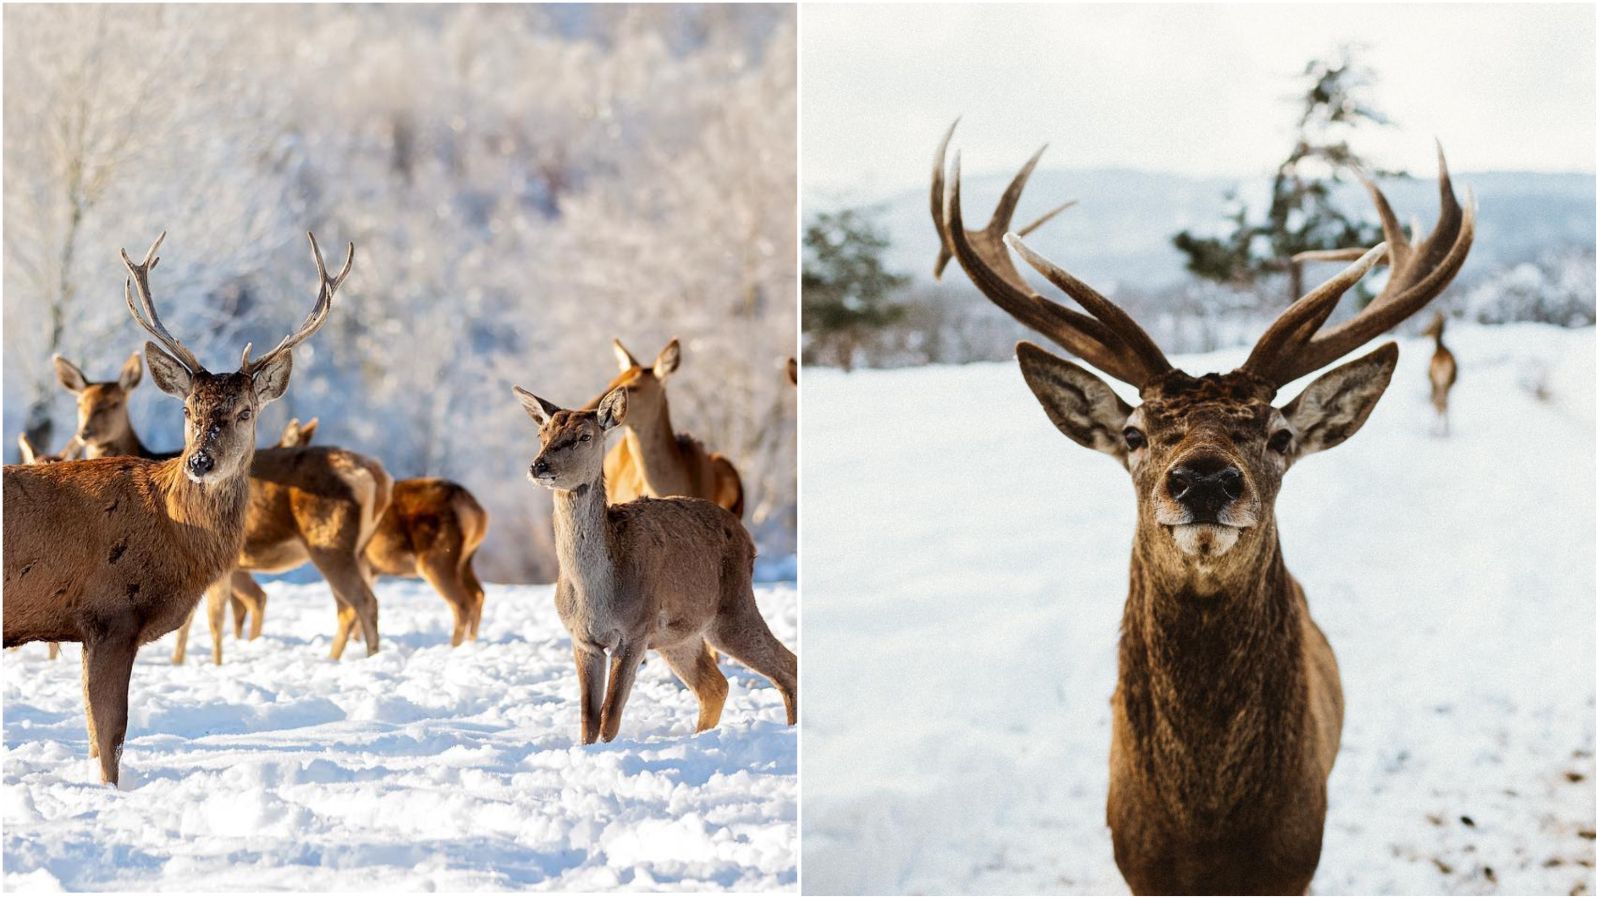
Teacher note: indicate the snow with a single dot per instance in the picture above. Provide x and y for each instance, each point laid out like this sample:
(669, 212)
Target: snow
(420, 768)
(965, 567)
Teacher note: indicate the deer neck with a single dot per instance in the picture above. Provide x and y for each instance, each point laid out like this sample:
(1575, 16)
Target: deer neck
(125, 444)
(211, 514)
(655, 446)
(584, 549)
(1211, 679)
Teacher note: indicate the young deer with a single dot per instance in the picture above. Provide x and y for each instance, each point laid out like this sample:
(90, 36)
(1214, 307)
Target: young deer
(307, 504)
(114, 552)
(669, 574)
(654, 461)
(431, 530)
(1441, 371)
(1227, 712)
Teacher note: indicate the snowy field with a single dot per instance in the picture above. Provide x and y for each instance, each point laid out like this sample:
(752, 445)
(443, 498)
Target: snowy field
(420, 768)
(965, 570)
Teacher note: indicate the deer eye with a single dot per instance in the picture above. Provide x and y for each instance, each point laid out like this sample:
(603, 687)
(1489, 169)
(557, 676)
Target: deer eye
(244, 415)
(1280, 440)
(1134, 437)
(584, 438)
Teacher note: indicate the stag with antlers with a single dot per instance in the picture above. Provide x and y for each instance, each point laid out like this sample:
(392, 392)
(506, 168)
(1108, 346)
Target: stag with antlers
(1228, 709)
(115, 552)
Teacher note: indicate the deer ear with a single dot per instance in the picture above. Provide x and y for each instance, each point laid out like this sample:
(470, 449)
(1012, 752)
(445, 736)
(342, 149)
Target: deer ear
(1080, 405)
(538, 408)
(612, 408)
(272, 379)
(1336, 405)
(667, 360)
(625, 360)
(308, 431)
(26, 447)
(132, 372)
(70, 376)
(169, 374)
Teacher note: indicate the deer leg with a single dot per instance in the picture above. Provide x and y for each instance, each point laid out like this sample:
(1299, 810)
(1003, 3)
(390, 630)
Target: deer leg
(624, 667)
(445, 579)
(591, 688)
(88, 705)
(109, 667)
(475, 587)
(217, 597)
(55, 649)
(744, 635)
(357, 603)
(247, 592)
(696, 666)
(179, 651)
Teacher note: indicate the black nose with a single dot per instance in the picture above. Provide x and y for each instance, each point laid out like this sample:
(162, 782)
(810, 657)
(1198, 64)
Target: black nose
(201, 463)
(540, 466)
(1204, 485)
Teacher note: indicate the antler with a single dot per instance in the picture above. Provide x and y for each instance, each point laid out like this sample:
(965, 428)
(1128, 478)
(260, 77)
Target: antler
(139, 274)
(1292, 346)
(1109, 339)
(315, 319)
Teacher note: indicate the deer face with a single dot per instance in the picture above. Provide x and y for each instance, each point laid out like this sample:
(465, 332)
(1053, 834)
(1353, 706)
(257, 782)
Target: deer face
(573, 445)
(1207, 454)
(219, 412)
(102, 405)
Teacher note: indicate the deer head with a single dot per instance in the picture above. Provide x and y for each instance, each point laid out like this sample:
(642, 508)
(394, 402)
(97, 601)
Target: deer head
(297, 435)
(1207, 454)
(572, 441)
(1435, 328)
(220, 409)
(102, 405)
(645, 385)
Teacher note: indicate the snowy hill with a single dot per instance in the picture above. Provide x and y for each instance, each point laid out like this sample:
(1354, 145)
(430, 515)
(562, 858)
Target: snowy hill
(1120, 233)
(421, 768)
(965, 571)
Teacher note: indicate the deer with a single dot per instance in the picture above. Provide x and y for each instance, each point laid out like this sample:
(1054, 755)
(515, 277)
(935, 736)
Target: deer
(114, 553)
(670, 574)
(32, 457)
(654, 461)
(431, 530)
(1441, 372)
(319, 505)
(1227, 713)
(106, 429)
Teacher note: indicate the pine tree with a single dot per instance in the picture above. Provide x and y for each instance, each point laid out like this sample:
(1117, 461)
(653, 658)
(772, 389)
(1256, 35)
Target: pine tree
(844, 287)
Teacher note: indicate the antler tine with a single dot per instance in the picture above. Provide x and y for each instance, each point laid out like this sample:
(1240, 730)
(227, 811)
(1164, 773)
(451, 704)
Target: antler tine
(318, 316)
(1288, 332)
(1133, 338)
(149, 319)
(984, 257)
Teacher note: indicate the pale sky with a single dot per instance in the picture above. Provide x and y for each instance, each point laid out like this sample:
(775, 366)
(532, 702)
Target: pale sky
(1191, 89)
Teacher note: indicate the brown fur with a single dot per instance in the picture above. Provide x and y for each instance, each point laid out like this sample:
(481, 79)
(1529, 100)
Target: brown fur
(310, 504)
(670, 574)
(431, 530)
(652, 460)
(1441, 371)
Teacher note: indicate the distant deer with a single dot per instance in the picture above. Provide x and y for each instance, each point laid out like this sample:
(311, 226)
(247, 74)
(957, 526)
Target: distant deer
(1228, 709)
(1441, 371)
(104, 426)
(32, 457)
(654, 461)
(669, 574)
(307, 504)
(431, 530)
(115, 552)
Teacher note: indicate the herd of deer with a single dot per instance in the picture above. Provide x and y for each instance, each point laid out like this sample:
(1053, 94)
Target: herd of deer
(114, 550)
(1227, 712)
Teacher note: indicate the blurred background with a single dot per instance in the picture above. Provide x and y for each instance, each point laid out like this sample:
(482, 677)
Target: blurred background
(1204, 145)
(522, 183)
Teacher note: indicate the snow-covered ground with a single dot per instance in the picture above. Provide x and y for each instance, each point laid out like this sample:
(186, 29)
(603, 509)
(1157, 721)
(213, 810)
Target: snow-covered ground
(965, 570)
(420, 768)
